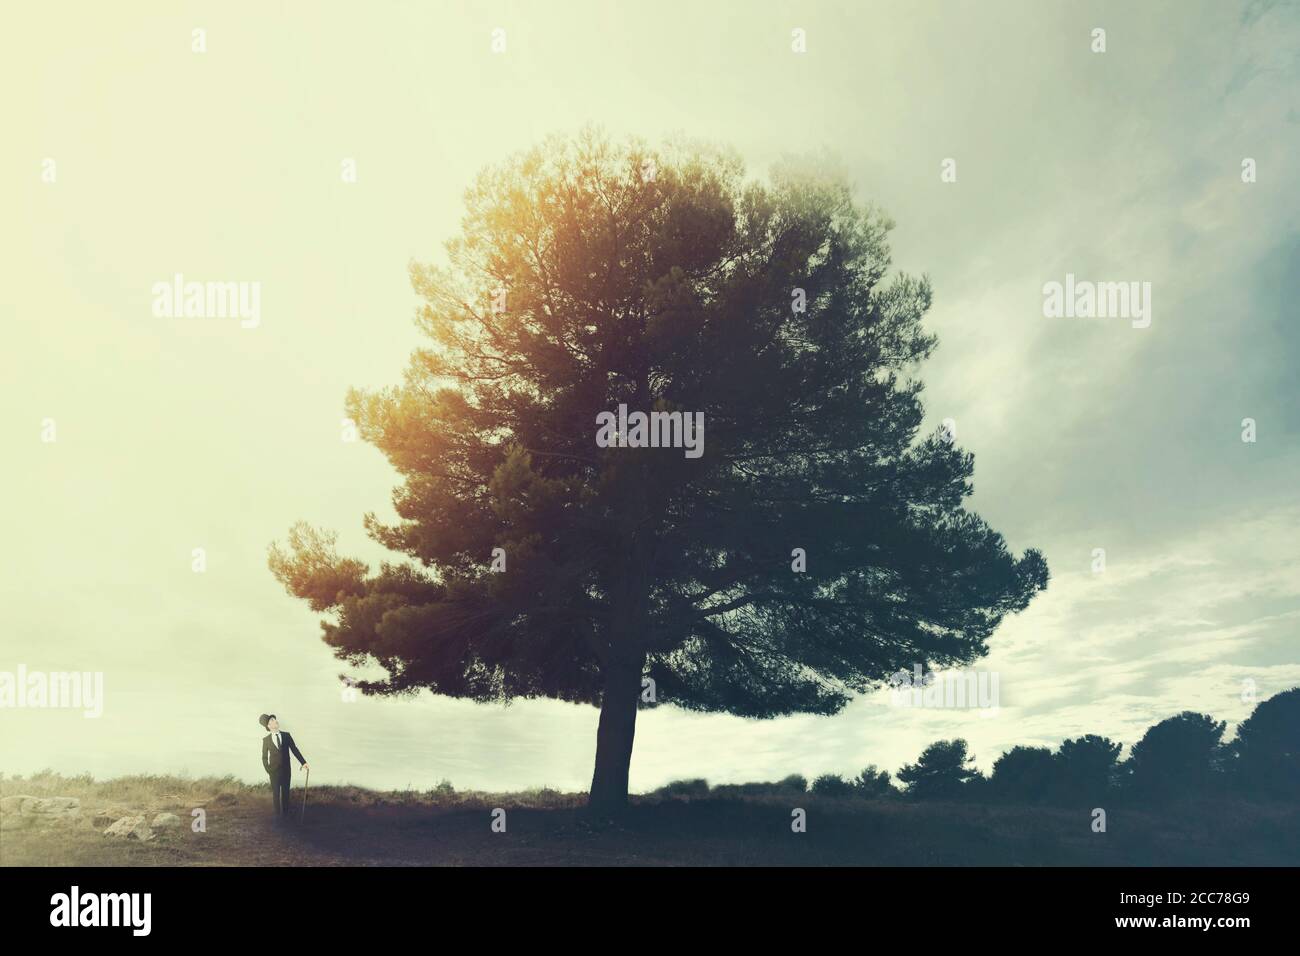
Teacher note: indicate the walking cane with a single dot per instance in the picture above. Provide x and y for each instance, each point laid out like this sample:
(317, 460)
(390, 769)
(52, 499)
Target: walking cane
(306, 783)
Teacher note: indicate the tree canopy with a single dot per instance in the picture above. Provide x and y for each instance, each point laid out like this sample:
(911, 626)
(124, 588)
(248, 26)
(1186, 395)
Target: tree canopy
(818, 544)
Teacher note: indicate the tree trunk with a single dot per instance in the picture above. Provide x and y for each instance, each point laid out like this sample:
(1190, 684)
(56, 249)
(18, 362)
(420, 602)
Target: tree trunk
(614, 737)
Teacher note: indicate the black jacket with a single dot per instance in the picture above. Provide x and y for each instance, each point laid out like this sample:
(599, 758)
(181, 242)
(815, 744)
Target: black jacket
(274, 761)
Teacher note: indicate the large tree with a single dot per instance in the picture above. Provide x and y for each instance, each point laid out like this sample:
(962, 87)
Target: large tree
(1180, 757)
(1024, 775)
(942, 772)
(1087, 767)
(1267, 747)
(590, 275)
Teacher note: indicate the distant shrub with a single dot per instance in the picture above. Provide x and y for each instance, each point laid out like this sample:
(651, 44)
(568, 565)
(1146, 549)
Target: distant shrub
(833, 785)
(1086, 769)
(795, 781)
(1267, 748)
(939, 772)
(977, 788)
(874, 784)
(1024, 775)
(1180, 756)
(698, 787)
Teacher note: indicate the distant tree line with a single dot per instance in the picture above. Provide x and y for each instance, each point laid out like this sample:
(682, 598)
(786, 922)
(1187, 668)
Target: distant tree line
(1183, 756)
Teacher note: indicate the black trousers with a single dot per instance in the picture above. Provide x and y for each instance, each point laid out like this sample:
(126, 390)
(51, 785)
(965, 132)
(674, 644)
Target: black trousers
(280, 795)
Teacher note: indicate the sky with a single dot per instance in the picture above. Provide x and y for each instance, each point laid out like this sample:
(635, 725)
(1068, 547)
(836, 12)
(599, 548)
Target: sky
(129, 157)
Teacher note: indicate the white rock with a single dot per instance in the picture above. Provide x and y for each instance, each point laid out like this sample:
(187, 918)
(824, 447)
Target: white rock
(14, 804)
(55, 806)
(132, 826)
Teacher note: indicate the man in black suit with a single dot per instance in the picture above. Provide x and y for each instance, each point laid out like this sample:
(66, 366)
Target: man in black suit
(276, 747)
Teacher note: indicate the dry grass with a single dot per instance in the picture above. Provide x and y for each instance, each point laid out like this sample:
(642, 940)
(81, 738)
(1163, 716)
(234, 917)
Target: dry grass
(347, 825)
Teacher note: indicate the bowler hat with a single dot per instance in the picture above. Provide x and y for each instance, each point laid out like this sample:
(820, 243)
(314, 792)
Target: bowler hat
(265, 719)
